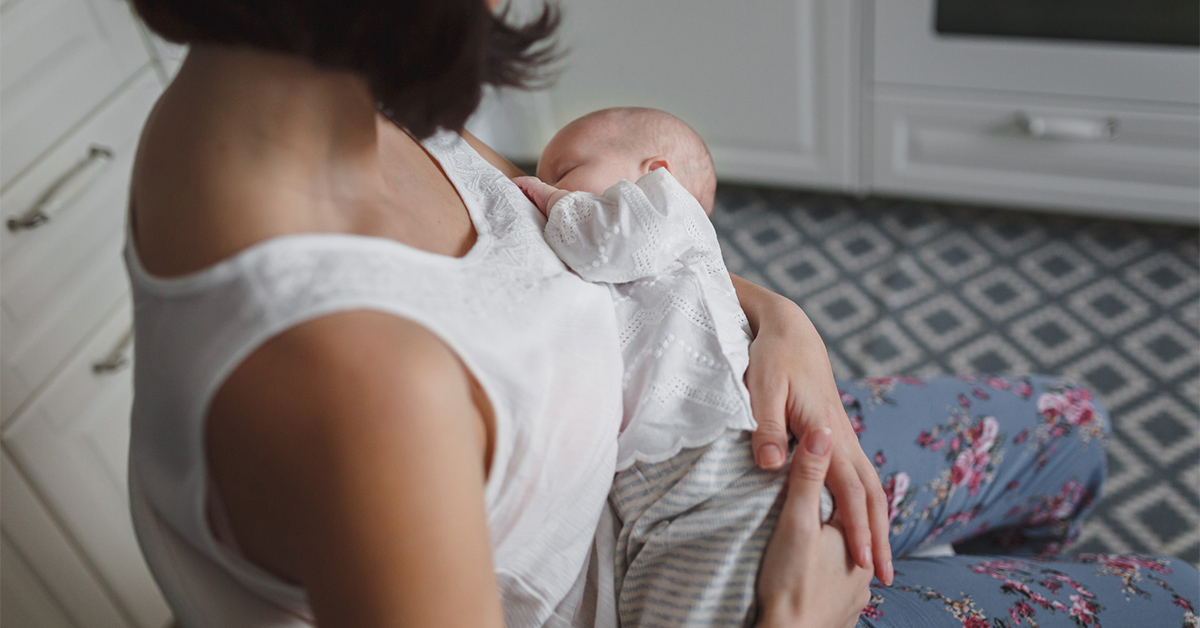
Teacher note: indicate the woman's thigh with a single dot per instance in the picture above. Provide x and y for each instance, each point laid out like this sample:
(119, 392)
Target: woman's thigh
(996, 592)
(1019, 458)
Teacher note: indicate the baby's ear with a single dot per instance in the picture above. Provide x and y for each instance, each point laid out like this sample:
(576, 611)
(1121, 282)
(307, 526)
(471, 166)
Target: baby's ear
(654, 163)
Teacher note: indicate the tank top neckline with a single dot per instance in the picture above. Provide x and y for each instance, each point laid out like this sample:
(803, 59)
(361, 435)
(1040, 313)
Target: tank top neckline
(214, 273)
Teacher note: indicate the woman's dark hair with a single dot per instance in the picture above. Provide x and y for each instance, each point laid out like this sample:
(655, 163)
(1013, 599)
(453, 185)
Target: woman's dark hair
(425, 60)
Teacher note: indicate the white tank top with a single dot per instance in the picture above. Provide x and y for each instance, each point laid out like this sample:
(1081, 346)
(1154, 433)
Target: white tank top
(539, 340)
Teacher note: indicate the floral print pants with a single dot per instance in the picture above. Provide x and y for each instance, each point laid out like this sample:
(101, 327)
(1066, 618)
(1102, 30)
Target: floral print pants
(1005, 469)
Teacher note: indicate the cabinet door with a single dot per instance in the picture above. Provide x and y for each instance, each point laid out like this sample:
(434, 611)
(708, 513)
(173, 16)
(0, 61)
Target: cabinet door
(771, 86)
(58, 279)
(73, 443)
(59, 59)
(24, 601)
(43, 581)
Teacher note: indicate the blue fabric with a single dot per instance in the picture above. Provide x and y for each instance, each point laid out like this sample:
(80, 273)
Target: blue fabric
(1006, 469)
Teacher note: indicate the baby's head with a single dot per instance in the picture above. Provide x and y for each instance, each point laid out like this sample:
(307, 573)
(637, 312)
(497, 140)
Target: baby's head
(596, 151)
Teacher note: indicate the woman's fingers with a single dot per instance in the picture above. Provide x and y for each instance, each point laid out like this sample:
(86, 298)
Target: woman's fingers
(877, 511)
(847, 489)
(768, 399)
(810, 465)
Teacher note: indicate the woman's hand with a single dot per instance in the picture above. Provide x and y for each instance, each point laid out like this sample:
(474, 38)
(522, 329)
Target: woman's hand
(807, 578)
(791, 388)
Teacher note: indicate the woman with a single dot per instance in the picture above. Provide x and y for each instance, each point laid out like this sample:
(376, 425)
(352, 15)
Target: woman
(365, 388)
(351, 345)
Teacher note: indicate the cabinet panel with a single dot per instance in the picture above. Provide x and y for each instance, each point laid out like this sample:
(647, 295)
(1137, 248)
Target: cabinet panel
(51, 562)
(59, 277)
(1074, 155)
(73, 444)
(771, 89)
(908, 51)
(24, 602)
(58, 60)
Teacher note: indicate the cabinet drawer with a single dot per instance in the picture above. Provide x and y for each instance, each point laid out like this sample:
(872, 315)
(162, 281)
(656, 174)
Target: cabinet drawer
(72, 442)
(59, 59)
(1082, 156)
(57, 278)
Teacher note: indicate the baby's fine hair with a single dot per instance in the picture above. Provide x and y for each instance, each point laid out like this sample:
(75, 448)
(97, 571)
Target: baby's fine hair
(655, 131)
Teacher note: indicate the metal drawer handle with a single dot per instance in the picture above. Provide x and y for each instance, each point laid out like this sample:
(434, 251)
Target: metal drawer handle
(65, 189)
(118, 358)
(1067, 128)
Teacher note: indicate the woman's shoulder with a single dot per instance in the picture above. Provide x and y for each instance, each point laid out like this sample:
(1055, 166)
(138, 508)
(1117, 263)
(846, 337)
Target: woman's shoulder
(188, 211)
(327, 410)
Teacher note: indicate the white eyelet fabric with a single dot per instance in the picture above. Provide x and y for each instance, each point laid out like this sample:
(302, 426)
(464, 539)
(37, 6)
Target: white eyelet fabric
(684, 338)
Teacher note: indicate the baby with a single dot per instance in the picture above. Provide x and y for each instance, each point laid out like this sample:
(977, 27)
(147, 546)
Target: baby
(627, 193)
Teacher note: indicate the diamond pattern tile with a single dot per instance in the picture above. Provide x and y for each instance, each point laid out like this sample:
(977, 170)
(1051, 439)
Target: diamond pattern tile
(917, 288)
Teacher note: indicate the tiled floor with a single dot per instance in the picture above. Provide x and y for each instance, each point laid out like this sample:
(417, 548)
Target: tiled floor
(900, 287)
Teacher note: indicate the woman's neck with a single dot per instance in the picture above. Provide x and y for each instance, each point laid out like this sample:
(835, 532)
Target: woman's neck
(283, 109)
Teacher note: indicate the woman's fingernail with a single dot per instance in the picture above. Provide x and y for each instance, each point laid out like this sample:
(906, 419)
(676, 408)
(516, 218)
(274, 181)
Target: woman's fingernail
(770, 456)
(819, 440)
(891, 573)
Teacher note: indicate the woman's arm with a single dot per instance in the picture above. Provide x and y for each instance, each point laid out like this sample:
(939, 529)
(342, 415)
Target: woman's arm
(352, 461)
(492, 157)
(792, 388)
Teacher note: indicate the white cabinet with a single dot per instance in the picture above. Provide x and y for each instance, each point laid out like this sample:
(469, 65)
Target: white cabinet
(1102, 128)
(60, 276)
(865, 96)
(78, 81)
(59, 59)
(771, 86)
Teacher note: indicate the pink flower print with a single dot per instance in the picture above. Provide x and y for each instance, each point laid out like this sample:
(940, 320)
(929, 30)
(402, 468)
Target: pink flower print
(1020, 610)
(1082, 610)
(1041, 599)
(955, 443)
(976, 622)
(938, 445)
(1020, 437)
(880, 460)
(991, 428)
(997, 383)
(924, 439)
(1011, 486)
(979, 393)
(1058, 606)
(963, 466)
(1072, 404)
(847, 400)
(974, 483)
(895, 489)
(1023, 389)
(857, 424)
(1184, 604)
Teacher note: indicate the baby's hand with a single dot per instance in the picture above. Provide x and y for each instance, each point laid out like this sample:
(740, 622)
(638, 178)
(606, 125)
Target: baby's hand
(542, 194)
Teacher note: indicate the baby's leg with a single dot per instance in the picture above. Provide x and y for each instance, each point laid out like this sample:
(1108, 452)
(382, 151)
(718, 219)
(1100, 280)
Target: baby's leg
(692, 534)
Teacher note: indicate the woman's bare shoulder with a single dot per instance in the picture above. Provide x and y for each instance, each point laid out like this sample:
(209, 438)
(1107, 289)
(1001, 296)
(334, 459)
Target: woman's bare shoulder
(197, 196)
(350, 455)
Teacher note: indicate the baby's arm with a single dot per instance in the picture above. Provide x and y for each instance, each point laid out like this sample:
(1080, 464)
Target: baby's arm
(631, 232)
(541, 193)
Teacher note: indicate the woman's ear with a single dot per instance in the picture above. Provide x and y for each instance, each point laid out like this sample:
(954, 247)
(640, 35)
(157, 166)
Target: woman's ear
(654, 163)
